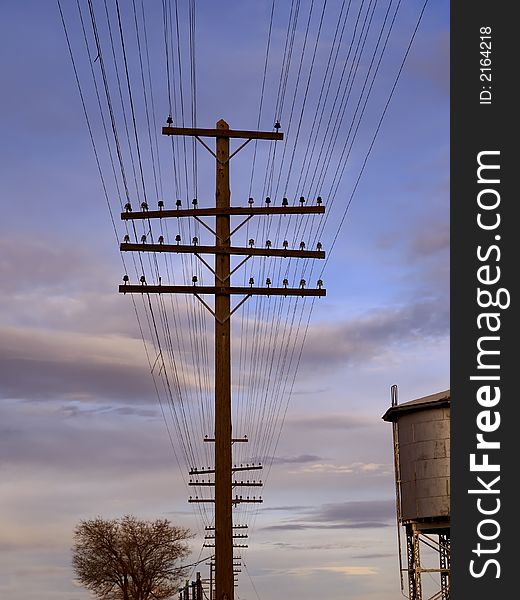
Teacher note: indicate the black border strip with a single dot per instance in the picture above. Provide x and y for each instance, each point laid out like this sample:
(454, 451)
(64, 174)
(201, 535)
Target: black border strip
(477, 127)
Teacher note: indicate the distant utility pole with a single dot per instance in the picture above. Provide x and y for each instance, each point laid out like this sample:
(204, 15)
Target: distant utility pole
(222, 290)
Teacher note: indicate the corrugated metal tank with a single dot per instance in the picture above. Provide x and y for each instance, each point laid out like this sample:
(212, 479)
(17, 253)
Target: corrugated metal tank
(423, 436)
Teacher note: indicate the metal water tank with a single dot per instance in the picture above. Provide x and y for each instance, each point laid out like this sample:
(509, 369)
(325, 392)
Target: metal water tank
(422, 453)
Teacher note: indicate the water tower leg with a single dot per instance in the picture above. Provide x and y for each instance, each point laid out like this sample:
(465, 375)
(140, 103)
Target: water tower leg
(414, 563)
(444, 563)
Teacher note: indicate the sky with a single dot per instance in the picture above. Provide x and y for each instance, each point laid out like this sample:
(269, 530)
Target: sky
(81, 429)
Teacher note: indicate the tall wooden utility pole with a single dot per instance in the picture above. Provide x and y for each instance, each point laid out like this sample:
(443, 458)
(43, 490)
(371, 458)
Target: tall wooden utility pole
(223, 455)
(222, 290)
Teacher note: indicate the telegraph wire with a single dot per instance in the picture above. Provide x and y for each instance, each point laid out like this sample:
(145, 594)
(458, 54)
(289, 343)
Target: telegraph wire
(162, 308)
(305, 95)
(184, 416)
(334, 102)
(130, 96)
(299, 123)
(119, 87)
(333, 141)
(374, 137)
(304, 46)
(146, 104)
(250, 578)
(164, 318)
(324, 157)
(330, 195)
(179, 64)
(192, 308)
(284, 76)
(102, 178)
(109, 102)
(262, 95)
(105, 131)
(273, 358)
(87, 120)
(317, 121)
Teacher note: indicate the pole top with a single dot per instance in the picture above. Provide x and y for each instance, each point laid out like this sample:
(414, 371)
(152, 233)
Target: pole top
(222, 124)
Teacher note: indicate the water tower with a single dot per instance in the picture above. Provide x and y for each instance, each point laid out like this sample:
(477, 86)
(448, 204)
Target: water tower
(421, 434)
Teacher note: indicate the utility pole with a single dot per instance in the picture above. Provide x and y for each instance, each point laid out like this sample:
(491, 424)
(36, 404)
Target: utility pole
(224, 578)
(211, 564)
(222, 291)
(198, 583)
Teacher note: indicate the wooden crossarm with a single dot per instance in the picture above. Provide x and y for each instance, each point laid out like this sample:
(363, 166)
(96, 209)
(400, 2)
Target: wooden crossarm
(226, 133)
(185, 249)
(224, 290)
(314, 209)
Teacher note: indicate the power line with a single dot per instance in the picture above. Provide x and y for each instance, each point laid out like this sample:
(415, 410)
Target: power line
(374, 137)
(272, 331)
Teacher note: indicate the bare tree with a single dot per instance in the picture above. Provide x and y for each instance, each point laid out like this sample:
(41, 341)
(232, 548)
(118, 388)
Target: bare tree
(129, 559)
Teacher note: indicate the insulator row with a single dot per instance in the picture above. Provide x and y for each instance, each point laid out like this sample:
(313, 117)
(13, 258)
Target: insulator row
(251, 482)
(285, 201)
(195, 242)
(285, 282)
(285, 244)
(195, 202)
(207, 528)
(268, 282)
(233, 500)
(237, 499)
(244, 466)
(212, 537)
(234, 527)
(160, 204)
